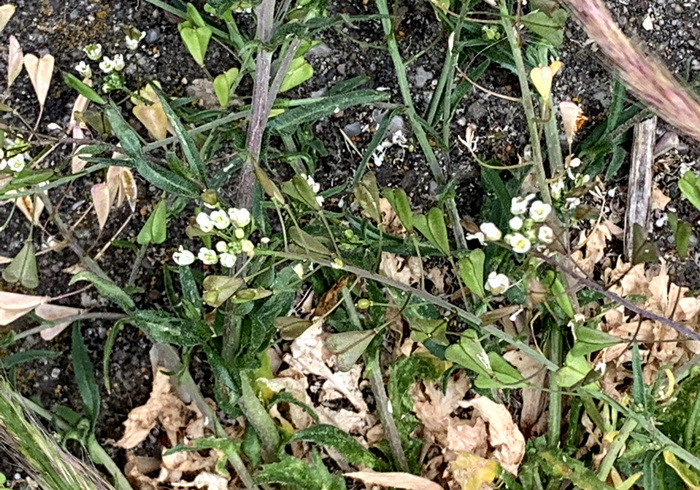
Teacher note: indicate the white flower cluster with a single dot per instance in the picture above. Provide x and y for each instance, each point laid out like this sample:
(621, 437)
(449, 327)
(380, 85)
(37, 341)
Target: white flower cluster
(524, 229)
(111, 67)
(231, 226)
(315, 186)
(14, 155)
(558, 186)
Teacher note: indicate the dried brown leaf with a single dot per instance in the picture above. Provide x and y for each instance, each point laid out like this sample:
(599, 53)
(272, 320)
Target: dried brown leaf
(533, 398)
(659, 200)
(434, 408)
(595, 249)
(330, 298)
(151, 116)
(6, 13)
(15, 60)
(40, 71)
(15, 305)
(31, 207)
(53, 313)
(395, 480)
(406, 271)
(102, 201)
(391, 223)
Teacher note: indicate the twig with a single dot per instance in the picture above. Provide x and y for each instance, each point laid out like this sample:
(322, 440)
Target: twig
(137, 265)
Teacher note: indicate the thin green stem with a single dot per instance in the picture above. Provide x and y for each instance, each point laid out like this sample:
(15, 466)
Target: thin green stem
(513, 34)
(452, 60)
(615, 448)
(100, 456)
(416, 124)
(691, 424)
(555, 395)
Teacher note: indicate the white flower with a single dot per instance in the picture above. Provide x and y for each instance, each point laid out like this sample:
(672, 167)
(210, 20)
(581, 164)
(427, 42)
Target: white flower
(220, 219)
(106, 65)
(518, 205)
(93, 51)
(299, 269)
(497, 283)
(319, 200)
(239, 233)
(239, 217)
(247, 246)
(118, 62)
(221, 246)
(476, 236)
(556, 188)
(16, 163)
(337, 264)
(545, 235)
(133, 38)
(227, 260)
(204, 222)
(183, 257)
(491, 232)
(575, 162)
(315, 186)
(265, 240)
(84, 70)
(519, 243)
(515, 223)
(207, 256)
(539, 211)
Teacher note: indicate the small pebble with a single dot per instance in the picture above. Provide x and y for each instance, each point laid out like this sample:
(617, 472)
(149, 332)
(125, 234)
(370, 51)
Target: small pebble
(152, 35)
(55, 373)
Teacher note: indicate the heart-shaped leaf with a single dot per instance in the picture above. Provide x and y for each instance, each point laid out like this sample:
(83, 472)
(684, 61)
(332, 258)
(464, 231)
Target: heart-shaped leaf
(471, 270)
(222, 86)
(155, 230)
(23, 269)
(300, 71)
(40, 71)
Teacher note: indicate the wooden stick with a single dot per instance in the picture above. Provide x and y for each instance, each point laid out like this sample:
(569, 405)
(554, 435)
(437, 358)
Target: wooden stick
(640, 180)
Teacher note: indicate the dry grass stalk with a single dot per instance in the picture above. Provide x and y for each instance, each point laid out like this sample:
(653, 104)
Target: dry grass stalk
(650, 81)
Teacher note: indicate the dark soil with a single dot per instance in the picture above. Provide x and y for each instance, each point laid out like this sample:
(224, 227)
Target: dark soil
(63, 27)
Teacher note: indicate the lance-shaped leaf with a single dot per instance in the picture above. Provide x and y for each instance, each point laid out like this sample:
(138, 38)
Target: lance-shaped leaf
(23, 269)
(155, 230)
(349, 346)
(15, 60)
(106, 287)
(217, 289)
(367, 195)
(269, 186)
(471, 270)
(82, 88)
(470, 354)
(102, 201)
(15, 305)
(246, 295)
(40, 71)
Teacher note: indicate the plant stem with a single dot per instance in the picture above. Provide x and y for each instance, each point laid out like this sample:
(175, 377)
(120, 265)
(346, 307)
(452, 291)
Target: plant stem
(555, 395)
(551, 134)
(416, 124)
(70, 319)
(137, 265)
(374, 371)
(513, 34)
(100, 456)
(615, 448)
(452, 61)
(691, 424)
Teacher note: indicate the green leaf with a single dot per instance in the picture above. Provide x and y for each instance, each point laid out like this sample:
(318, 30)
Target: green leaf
(86, 91)
(349, 346)
(131, 144)
(367, 195)
(300, 71)
(155, 230)
(295, 474)
(639, 391)
(556, 462)
(27, 356)
(401, 206)
(618, 158)
(166, 328)
(290, 327)
(682, 231)
(23, 269)
(616, 107)
(109, 347)
(292, 119)
(471, 270)
(689, 184)
(574, 371)
(589, 340)
(504, 375)
(106, 287)
(558, 291)
(425, 328)
(551, 29)
(438, 229)
(195, 34)
(85, 377)
(338, 439)
(643, 249)
(217, 289)
(223, 84)
(186, 141)
(298, 188)
(469, 354)
(308, 243)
